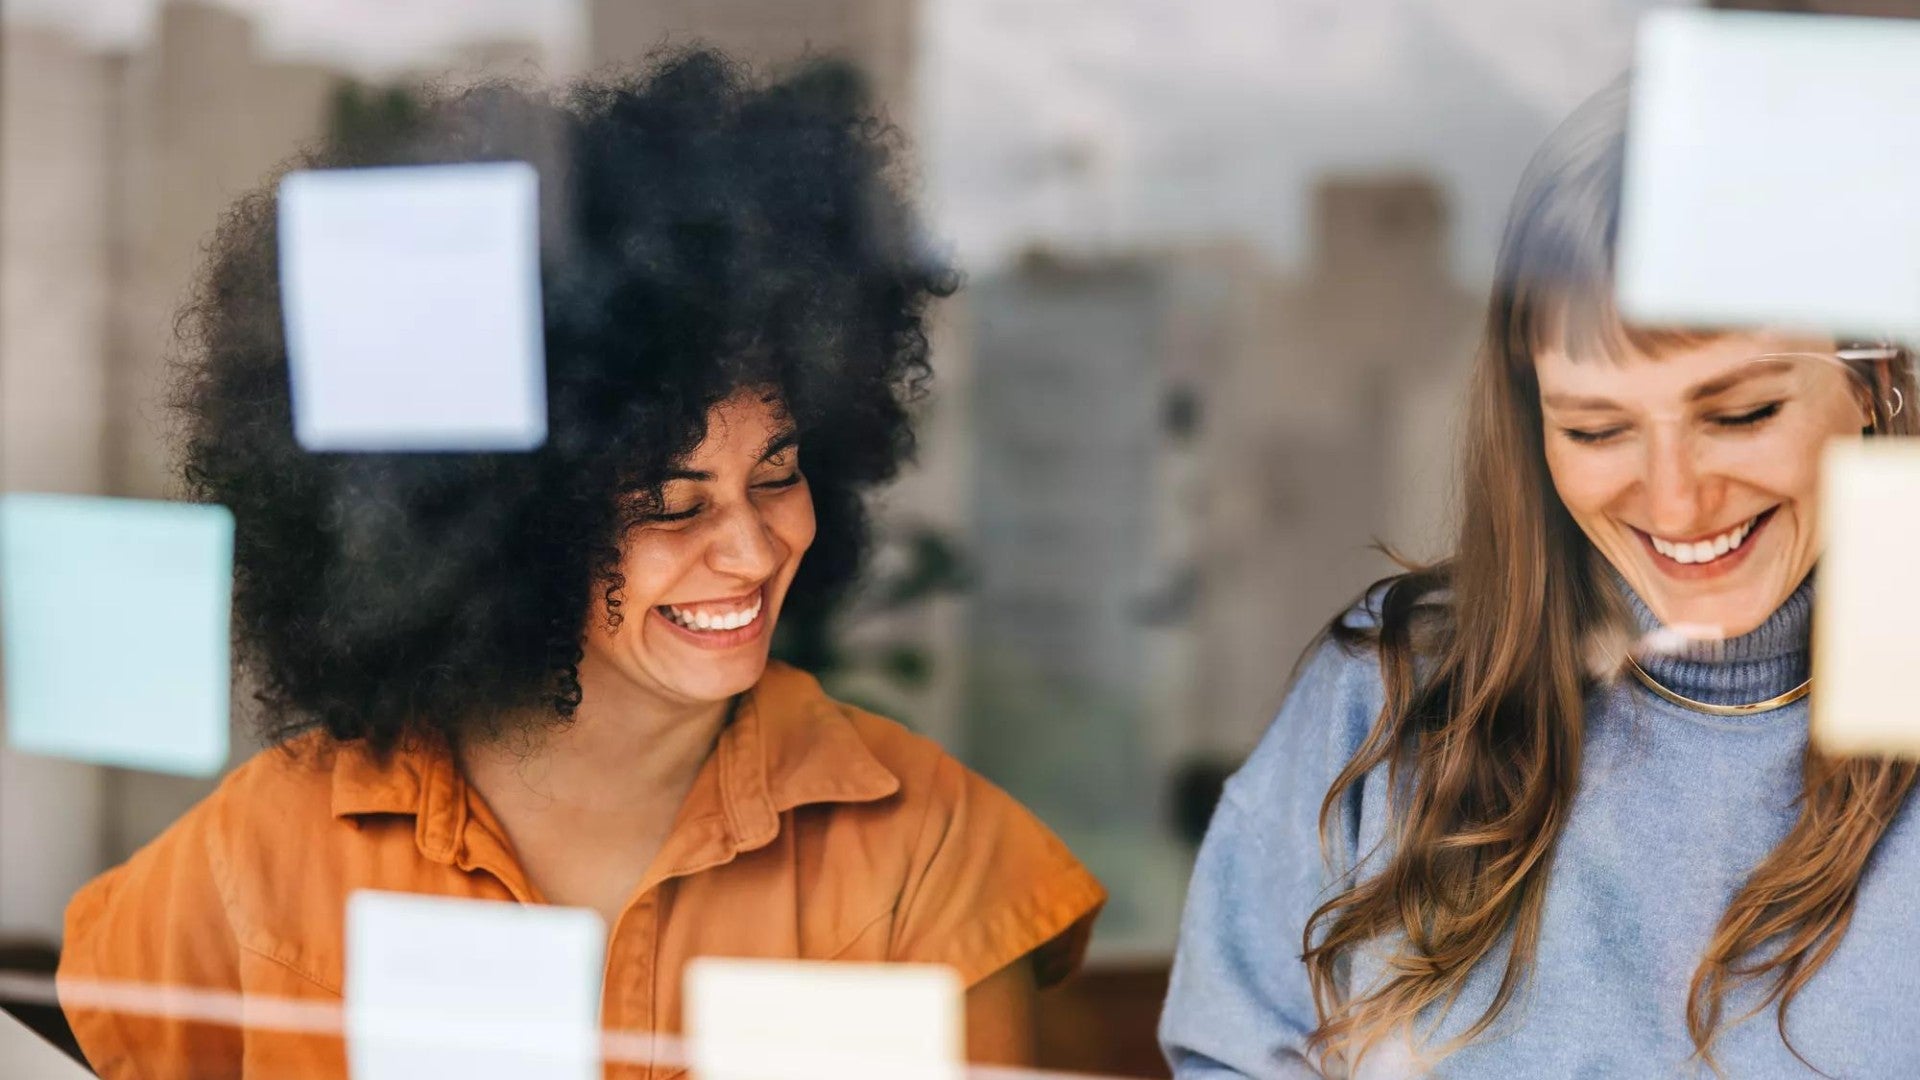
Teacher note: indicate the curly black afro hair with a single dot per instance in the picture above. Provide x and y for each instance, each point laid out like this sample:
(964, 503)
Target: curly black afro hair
(701, 234)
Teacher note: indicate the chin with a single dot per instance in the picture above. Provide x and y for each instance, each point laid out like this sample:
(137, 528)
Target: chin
(723, 680)
(1731, 613)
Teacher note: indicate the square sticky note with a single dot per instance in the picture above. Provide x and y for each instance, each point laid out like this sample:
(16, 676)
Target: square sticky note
(412, 304)
(1773, 173)
(114, 626)
(1865, 636)
(483, 990)
(800, 1020)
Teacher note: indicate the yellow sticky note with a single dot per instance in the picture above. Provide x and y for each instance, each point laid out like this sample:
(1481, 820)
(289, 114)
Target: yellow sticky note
(1866, 638)
(807, 1020)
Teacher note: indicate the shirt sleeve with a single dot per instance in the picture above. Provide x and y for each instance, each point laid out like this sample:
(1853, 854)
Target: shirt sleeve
(1239, 1003)
(989, 884)
(158, 921)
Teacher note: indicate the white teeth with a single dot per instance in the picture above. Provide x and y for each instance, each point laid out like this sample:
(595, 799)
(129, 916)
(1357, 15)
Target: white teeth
(1702, 551)
(709, 622)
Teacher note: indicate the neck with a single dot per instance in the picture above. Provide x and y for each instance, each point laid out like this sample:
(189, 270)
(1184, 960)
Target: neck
(626, 758)
(1772, 659)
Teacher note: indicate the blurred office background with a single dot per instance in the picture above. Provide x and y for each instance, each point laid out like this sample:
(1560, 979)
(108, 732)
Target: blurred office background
(1226, 261)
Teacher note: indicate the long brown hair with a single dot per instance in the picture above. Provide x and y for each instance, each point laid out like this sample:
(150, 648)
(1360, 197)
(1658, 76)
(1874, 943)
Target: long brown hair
(1485, 660)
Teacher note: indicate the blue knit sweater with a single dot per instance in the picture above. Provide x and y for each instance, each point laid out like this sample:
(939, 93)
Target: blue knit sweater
(1675, 809)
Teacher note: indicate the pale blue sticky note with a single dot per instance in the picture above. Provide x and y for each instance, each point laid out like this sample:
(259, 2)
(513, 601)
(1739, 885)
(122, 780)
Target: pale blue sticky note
(1773, 173)
(412, 304)
(114, 623)
(480, 989)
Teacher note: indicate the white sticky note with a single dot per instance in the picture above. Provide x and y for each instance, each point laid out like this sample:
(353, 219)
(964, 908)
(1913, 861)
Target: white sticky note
(799, 1020)
(1773, 173)
(1865, 637)
(482, 990)
(115, 618)
(412, 304)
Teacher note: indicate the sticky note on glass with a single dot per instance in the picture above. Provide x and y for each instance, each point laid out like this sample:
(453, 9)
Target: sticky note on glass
(1773, 173)
(479, 989)
(114, 627)
(797, 1020)
(412, 305)
(1865, 636)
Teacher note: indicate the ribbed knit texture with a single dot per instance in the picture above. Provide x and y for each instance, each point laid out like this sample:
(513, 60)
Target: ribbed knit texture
(1769, 661)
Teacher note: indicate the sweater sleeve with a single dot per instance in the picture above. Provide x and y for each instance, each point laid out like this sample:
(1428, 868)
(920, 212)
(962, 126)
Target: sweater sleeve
(1240, 1004)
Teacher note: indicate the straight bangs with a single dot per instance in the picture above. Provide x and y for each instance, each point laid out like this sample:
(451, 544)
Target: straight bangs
(1557, 258)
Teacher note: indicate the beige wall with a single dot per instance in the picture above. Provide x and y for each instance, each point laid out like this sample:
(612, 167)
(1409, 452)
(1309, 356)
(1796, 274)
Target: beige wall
(56, 114)
(113, 169)
(879, 35)
(1334, 429)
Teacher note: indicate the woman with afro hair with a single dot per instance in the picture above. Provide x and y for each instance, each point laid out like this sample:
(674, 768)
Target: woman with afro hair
(544, 677)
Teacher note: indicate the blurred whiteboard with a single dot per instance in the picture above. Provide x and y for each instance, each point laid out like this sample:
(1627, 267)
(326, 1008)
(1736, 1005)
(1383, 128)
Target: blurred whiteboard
(412, 305)
(1773, 173)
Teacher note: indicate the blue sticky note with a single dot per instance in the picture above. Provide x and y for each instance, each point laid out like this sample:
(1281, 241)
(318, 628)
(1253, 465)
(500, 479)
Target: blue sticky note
(411, 298)
(114, 623)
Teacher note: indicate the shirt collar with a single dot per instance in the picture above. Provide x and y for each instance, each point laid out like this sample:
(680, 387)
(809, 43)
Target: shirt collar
(788, 745)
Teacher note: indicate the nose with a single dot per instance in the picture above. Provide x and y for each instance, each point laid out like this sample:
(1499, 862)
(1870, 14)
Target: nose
(1679, 499)
(743, 547)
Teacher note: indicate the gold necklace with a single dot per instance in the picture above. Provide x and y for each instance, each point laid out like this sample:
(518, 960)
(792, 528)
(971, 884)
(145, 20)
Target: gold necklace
(1775, 702)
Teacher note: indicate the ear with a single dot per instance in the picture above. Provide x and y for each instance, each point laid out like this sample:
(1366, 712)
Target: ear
(1874, 395)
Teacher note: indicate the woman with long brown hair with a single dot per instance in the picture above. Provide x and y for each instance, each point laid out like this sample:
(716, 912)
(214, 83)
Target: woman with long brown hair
(1548, 808)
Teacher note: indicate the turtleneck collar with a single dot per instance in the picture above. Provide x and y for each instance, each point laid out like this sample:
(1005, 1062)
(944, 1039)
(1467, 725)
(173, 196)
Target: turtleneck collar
(1770, 660)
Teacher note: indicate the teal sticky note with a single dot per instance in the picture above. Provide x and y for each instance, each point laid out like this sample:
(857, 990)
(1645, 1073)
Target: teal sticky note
(114, 617)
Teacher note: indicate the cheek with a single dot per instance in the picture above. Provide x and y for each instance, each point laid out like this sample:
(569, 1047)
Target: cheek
(1585, 482)
(652, 563)
(793, 522)
(1795, 480)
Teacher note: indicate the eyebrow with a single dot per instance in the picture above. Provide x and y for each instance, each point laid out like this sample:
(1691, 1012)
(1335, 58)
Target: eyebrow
(785, 440)
(1712, 387)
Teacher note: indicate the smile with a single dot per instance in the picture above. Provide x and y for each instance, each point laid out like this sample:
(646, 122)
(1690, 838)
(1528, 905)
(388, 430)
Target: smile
(715, 617)
(1723, 548)
(1705, 551)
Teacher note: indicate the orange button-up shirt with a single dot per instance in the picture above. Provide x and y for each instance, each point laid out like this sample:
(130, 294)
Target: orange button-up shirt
(813, 831)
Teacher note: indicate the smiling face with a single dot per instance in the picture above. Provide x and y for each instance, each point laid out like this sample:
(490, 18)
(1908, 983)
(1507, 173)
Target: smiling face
(1695, 473)
(707, 573)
